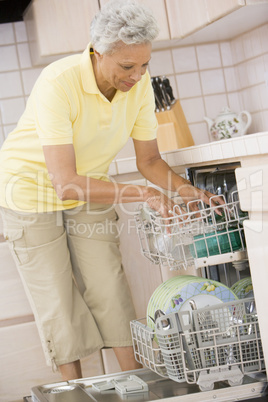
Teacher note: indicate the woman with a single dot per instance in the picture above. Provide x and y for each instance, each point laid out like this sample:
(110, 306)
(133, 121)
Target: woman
(54, 179)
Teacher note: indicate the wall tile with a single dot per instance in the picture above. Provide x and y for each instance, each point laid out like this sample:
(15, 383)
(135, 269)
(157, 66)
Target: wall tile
(24, 55)
(256, 124)
(193, 109)
(252, 145)
(174, 158)
(184, 59)
(256, 42)
(126, 165)
(231, 79)
(252, 43)
(200, 133)
(6, 34)
(208, 56)
(20, 31)
(242, 77)
(127, 151)
(265, 121)
(263, 38)
(188, 85)
(263, 90)
(216, 150)
(212, 81)
(8, 128)
(263, 142)
(8, 58)
(255, 70)
(226, 54)
(196, 155)
(112, 169)
(247, 45)
(10, 85)
(239, 147)
(214, 104)
(2, 137)
(164, 155)
(234, 102)
(251, 99)
(161, 63)
(237, 50)
(206, 154)
(227, 149)
(265, 59)
(12, 109)
(188, 156)
(29, 78)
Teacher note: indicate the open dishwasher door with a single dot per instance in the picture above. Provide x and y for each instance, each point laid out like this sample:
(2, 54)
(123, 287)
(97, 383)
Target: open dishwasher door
(159, 389)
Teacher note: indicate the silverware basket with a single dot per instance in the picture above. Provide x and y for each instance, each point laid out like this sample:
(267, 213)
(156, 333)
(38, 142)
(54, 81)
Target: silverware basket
(202, 346)
(193, 239)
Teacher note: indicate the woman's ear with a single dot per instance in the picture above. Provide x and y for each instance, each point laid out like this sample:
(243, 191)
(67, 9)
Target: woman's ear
(97, 54)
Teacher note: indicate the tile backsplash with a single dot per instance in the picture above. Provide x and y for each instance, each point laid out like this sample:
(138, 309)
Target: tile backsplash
(204, 77)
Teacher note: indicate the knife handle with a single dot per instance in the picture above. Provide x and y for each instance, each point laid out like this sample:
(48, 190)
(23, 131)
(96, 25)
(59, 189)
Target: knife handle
(169, 90)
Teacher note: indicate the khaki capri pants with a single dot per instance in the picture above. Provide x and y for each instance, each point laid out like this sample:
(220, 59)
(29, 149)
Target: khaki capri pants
(70, 265)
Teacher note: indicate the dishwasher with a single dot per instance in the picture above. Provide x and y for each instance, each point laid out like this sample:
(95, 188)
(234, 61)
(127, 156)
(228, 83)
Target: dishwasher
(205, 352)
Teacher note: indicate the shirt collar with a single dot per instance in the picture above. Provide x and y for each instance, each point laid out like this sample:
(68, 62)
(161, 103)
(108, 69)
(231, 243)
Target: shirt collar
(87, 73)
(88, 77)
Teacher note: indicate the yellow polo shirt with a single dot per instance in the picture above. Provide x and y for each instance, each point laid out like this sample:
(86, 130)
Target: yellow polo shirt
(66, 107)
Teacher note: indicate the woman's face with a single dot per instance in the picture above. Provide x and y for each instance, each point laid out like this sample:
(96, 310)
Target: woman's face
(124, 68)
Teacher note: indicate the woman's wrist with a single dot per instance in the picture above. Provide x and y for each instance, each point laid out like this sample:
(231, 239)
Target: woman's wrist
(180, 182)
(150, 193)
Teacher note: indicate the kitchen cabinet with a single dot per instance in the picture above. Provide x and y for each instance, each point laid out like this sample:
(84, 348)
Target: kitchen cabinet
(188, 16)
(185, 16)
(159, 11)
(218, 8)
(58, 27)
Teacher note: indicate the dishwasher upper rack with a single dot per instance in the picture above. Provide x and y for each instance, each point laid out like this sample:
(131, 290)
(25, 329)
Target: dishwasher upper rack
(207, 345)
(195, 239)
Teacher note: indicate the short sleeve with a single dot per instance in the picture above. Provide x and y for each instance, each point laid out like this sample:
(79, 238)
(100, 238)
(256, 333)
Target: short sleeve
(52, 113)
(145, 127)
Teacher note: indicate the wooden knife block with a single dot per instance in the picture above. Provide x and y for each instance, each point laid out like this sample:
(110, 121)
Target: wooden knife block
(173, 131)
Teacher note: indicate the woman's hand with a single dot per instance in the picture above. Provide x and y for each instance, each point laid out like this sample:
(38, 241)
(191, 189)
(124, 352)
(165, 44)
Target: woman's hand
(160, 202)
(192, 194)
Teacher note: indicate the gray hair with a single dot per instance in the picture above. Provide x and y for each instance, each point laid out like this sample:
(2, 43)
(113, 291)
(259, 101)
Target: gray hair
(124, 21)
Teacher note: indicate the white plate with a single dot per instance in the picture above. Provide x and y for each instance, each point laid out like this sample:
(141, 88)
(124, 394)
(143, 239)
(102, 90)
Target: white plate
(171, 295)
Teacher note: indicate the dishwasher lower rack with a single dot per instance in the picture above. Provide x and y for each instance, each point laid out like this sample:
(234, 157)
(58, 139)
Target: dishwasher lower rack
(203, 346)
(193, 239)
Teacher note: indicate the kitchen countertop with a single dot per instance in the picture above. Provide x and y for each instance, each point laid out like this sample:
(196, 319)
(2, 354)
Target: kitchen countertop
(242, 148)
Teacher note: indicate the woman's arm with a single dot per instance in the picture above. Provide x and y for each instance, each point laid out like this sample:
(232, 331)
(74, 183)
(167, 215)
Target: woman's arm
(61, 165)
(155, 169)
